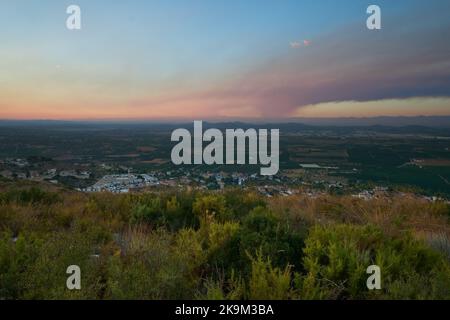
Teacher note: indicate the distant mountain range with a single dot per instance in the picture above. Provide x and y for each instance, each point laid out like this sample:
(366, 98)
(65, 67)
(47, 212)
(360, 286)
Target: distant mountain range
(422, 121)
(426, 121)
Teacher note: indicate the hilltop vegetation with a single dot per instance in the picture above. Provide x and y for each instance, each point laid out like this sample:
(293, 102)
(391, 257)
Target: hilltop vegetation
(230, 245)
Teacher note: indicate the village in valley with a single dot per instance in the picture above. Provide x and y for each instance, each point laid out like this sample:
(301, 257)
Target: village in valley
(362, 162)
(310, 179)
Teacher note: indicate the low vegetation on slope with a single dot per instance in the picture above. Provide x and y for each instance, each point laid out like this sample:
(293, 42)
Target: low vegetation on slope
(230, 245)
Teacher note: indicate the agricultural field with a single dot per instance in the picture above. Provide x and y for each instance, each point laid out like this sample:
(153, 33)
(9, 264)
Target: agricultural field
(416, 157)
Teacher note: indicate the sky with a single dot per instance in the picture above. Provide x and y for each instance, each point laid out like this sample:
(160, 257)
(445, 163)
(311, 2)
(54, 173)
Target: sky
(223, 59)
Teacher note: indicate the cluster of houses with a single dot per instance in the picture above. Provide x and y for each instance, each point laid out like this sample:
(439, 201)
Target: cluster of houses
(311, 181)
(25, 171)
(122, 183)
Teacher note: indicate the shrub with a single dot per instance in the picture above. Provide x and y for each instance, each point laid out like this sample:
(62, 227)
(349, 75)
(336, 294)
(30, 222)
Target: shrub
(230, 245)
(262, 229)
(239, 204)
(149, 212)
(267, 282)
(45, 277)
(231, 289)
(336, 258)
(16, 255)
(149, 268)
(210, 205)
(30, 196)
(221, 241)
(170, 211)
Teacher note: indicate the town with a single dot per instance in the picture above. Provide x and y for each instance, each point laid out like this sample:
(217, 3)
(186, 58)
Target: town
(311, 179)
(121, 158)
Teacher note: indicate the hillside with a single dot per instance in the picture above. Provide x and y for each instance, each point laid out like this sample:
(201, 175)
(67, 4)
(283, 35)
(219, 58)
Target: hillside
(211, 245)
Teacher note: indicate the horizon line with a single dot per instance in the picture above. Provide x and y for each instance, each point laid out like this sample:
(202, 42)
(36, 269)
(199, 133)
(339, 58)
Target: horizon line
(221, 119)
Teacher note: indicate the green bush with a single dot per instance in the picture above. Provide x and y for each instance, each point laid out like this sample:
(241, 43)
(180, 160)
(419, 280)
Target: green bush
(220, 289)
(149, 212)
(171, 211)
(336, 259)
(239, 204)
(231, 243)
(227, 245)
(16, 255)
(210, 205)
(33, 268)
(149, 268)
(261, 229)
(267, 282)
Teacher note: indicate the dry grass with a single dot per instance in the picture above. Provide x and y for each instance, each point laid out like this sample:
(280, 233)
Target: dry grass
(392, 215)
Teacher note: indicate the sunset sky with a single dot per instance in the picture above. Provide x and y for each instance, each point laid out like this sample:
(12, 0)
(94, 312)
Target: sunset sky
(223, 59)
